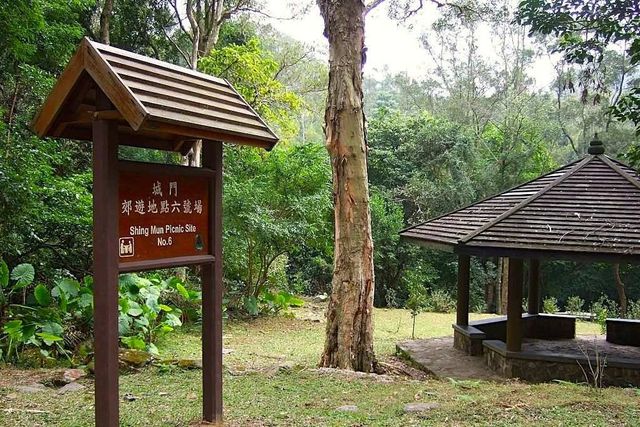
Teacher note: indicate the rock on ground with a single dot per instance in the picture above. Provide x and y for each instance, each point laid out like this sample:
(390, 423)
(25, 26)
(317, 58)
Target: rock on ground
(71, 387)
(420, 407)
(347, 408)
(71, 375)
(31, 388)
(130, 358)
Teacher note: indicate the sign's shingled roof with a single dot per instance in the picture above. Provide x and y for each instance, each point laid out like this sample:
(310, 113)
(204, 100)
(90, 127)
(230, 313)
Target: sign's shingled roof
(589, 207)
(154, 99)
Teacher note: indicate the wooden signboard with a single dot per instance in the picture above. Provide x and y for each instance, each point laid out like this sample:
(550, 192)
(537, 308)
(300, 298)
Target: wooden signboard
(151, 216)
(163, 213)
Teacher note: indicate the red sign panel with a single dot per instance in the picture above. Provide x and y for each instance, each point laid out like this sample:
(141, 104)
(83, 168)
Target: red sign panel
(163, 214)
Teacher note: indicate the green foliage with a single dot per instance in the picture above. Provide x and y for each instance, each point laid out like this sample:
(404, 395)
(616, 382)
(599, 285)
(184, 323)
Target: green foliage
(390, 255)
(44, 203)
(574, 304)
(483, 275)
(422, 276)
(422, 160)
(252, 70)
(4, 274)
(602, 309)
(40, 32)
(40, 323)
(550, 305)
(520, 150)
(277, 302)
(51, 314)
(584, 32)
(23, 274)
(275, 203)
(143, 315)
(139, 26)
(42, 295)
(633, 309)
(417, 302)
(441, 301)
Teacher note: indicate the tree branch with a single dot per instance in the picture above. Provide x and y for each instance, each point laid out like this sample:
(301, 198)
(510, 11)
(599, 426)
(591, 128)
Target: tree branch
(195, 29)
(174, 4)
(182, 53)
(105, 18)
(409, 12)
(375, 3)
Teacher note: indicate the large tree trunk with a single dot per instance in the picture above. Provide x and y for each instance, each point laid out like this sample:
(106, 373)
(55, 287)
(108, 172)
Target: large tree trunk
(622, 295)
(349, 335)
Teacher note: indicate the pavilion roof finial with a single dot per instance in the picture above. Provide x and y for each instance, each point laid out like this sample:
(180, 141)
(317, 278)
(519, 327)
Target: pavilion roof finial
(595, 147)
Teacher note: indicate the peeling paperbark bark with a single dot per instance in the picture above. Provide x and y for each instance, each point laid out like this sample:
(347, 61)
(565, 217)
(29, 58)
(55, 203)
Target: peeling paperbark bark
(349, 334)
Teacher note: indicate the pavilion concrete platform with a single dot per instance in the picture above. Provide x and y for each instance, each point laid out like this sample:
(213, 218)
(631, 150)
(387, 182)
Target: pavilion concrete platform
(542, 360)
(438, 357)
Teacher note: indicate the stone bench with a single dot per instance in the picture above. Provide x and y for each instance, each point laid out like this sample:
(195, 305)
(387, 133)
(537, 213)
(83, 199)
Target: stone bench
(468, 339)
(623, 332)
(542, 326)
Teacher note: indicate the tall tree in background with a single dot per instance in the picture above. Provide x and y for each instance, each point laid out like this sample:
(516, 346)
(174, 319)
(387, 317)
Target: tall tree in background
(349, 339)
(584, 31)
(105, 21)
(204, 18)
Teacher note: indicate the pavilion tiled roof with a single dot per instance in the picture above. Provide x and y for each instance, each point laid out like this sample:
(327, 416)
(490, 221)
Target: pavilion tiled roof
(589, 207)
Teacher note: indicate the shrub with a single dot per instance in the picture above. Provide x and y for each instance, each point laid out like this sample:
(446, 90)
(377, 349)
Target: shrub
(574, 305)
(550, 305)
(479, 307)
(143, 314)
(57, 320)
(45, 317)
(441, 302)
(602, 309)
(633, 309)
(417, 302)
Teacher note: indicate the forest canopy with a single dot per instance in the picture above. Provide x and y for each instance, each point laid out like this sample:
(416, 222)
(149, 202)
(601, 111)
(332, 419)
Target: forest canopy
(472, 126)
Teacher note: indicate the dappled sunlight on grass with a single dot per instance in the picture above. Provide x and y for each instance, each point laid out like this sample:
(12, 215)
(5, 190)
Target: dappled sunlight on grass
(270, 341)
(302, 397)
(269, 380)
(587, 328)
(393, 325)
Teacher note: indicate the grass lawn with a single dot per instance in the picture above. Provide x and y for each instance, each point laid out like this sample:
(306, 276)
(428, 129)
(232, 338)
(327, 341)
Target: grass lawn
(259, 393)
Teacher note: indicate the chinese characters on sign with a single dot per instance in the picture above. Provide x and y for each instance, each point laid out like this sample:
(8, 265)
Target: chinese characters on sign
(162, 216)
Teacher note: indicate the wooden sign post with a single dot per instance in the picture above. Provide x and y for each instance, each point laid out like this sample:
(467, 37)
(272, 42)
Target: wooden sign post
(151, 216)
(105, 269)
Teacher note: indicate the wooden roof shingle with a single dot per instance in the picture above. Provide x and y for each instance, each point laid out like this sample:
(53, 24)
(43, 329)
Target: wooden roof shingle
(157, 103)
(587, 209)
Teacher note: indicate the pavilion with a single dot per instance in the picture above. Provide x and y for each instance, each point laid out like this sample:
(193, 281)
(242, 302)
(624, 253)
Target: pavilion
(588, 210)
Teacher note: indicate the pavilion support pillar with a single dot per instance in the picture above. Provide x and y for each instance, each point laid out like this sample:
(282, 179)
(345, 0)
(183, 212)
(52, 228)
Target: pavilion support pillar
(514, 305)
(462, 309)
(105, 266)
(212, 294)
(533, 300)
